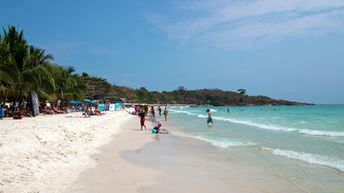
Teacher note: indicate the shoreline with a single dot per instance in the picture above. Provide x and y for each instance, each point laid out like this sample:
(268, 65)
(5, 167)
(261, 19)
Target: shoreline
(307, 174)
(136, 161)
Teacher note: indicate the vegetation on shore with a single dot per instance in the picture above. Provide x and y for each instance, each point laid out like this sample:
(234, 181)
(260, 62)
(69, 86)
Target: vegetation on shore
(98, 88)
(27, 71)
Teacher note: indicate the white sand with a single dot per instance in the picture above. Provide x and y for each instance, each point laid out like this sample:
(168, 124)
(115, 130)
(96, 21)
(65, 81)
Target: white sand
(46, 153)
(56, 154)
(114, 173)
(141, 162)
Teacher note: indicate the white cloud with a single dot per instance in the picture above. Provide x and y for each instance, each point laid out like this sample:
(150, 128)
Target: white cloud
(249, 23)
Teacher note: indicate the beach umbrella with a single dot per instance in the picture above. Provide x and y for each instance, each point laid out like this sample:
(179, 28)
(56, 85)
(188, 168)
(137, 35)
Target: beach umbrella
(88, 102)
(74, 102)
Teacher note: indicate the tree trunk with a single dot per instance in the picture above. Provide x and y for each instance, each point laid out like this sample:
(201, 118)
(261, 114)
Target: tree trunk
(34, 103)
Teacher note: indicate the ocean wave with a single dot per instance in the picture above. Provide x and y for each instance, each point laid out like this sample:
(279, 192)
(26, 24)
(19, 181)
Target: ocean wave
(224, 143)
(284, 129)
(183, 107)
(202, 116)
(213, 110)
(270, 127)
(181, 111)
(309, 158)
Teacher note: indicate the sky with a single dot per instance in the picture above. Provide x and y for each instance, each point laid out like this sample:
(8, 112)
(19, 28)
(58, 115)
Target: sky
(290, 50)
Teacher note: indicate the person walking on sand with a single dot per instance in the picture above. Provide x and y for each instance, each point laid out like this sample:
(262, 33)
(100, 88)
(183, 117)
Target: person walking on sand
(209, 120)
(153, 111)
(142, 120)
(165, 113)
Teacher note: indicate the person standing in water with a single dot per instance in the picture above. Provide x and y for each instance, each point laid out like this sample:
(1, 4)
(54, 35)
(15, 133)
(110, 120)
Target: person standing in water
(159, 109)
(165, 113)
(228, 110)
(209, 120)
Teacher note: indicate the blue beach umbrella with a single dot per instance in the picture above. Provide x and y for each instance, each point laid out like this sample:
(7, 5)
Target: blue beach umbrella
(88, 102)
(74, 102)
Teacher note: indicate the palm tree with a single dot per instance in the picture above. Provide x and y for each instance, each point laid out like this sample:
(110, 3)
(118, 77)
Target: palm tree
(27, 73)
(68, 85)
(36, 69)
(24, 67)
(10, 50)
(7, 75)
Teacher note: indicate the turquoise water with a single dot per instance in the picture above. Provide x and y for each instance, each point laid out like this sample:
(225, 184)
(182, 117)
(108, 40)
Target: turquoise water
(307, 136)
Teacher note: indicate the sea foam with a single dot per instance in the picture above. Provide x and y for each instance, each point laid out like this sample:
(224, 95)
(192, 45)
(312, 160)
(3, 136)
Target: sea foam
(284, 129)
(224, 143)
(309, 158)
(270, 127)
(182, 111)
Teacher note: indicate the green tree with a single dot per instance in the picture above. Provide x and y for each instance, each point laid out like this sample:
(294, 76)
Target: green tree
(27, 72)
(242, 93)
(84, 74)
(142, 95)
(27, 64)
(68, 84)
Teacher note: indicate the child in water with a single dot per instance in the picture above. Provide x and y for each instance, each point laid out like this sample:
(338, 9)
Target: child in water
(157, 129)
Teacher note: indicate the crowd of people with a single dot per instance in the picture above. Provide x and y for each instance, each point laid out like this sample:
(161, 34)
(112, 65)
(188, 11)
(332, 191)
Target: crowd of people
(14, 112)
(18, 112)
(144, 111)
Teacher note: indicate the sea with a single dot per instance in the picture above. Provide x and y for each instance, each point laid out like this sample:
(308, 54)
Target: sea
(303, 144)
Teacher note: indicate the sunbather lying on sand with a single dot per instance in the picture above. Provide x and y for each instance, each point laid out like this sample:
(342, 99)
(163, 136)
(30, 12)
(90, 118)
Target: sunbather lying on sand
(98, 112)
(47, 110)
(57, 110)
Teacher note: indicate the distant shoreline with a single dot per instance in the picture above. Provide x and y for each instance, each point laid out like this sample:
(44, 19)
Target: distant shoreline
(205, 105)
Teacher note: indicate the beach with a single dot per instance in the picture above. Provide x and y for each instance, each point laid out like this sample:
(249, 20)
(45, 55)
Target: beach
(69, 154)
(138, 161)
(46, 153)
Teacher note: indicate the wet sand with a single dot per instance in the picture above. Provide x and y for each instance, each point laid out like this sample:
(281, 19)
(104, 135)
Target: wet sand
(138, 161)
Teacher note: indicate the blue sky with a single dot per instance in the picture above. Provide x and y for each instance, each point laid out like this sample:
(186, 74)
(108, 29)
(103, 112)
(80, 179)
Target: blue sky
(283, 49)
